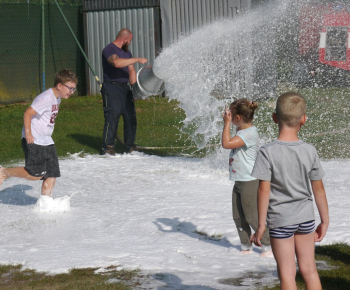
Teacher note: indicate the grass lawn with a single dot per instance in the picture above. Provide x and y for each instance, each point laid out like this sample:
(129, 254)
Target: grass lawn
(79, 126)
(79, 129)
(15, 277)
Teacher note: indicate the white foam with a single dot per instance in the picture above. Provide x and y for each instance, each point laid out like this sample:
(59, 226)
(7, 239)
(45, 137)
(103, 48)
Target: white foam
(48, 204)
(145, 211)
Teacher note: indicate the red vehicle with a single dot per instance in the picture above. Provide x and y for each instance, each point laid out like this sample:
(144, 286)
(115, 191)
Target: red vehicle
(334, 40)
(324, 44)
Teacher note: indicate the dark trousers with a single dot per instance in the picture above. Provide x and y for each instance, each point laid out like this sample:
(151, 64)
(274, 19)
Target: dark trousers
(118, 101)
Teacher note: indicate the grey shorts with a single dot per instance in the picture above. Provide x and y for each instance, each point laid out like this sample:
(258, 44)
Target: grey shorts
(41, 160)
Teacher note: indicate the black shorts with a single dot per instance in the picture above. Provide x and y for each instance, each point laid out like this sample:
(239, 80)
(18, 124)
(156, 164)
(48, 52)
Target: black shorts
(41, 160)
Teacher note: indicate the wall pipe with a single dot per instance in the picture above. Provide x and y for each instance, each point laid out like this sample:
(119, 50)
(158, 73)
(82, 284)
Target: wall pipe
(81, 49)
(43, 39)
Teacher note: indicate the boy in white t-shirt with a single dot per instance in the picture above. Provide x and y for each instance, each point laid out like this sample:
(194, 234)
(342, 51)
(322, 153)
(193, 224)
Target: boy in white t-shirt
(41, 161)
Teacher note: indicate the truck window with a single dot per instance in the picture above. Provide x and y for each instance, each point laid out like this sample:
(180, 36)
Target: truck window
(336, 41)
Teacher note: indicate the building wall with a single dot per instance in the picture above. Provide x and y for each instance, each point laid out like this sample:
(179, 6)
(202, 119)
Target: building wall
(181, 17)
(102, 23)
(155, 24)
(158, 24)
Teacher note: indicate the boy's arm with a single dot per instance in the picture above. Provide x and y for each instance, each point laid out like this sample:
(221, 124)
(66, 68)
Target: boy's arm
(322, 206)
(263, 203)
(226, 141)
(27, 121)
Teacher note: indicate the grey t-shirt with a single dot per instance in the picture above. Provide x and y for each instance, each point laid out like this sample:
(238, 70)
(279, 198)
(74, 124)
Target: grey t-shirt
(289, 166)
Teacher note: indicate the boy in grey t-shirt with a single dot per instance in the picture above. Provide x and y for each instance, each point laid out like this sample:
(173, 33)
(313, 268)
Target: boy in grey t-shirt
(285, 168)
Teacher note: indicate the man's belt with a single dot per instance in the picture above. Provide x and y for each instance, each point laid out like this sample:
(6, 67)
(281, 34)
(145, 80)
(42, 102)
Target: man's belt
(114, 82)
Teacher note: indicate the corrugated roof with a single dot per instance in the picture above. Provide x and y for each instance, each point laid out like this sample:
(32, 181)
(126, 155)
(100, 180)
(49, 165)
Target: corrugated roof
(98, 5)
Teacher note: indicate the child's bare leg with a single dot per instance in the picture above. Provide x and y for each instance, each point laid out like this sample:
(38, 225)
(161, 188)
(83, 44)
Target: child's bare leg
(305, 251)
(2, 175)
(284, 253)
(19, 172)
(48, 185)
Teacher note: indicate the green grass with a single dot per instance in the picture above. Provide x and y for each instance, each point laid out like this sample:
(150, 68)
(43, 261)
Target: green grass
(79, 127)
(16, 277)
(80, 121)
(327, 126)
(336, 257)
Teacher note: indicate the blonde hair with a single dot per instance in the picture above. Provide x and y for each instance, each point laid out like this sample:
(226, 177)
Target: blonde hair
(244, 108)
(64, 76)
(290, 108)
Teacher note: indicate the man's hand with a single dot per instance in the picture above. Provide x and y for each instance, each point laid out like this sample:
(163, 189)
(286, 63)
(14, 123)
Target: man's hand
(142, 60)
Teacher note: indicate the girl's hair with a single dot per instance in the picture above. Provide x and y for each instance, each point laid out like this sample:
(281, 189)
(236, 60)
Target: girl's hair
(244, 108)
(65, 76)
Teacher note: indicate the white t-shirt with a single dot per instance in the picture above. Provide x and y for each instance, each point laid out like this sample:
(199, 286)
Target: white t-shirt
(46, 105)
(242, 159)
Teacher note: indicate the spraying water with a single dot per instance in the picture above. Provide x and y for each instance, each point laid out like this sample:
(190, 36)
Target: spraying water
(256, 56)
(218, 63)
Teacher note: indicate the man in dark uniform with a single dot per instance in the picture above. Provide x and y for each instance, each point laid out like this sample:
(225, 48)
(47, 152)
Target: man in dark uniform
(118, 73)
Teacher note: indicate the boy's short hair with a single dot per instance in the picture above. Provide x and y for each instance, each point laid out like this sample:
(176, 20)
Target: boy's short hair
(64, 76)
(290, 108)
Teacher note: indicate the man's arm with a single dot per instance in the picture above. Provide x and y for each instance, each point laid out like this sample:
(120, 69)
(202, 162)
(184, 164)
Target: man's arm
(322, 206)
(132, 74)
(27, 121)
(116, 61)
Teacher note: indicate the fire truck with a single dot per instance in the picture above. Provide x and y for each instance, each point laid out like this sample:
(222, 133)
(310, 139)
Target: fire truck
(324, 44)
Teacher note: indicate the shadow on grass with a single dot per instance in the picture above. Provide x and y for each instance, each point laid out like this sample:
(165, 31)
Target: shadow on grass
(174, 282)
(255, 280)
(95, 143)
(332, 283)
(16, 195)
(339, 277)
(337, 252)
(87, 140)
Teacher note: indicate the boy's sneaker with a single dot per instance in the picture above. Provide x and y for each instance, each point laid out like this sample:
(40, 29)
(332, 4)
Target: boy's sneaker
(109, 150)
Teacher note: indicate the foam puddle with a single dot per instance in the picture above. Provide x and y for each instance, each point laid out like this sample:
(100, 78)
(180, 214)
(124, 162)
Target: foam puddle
(46, 203)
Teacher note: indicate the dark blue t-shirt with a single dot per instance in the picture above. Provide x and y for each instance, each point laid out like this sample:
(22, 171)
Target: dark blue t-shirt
(111, 73)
